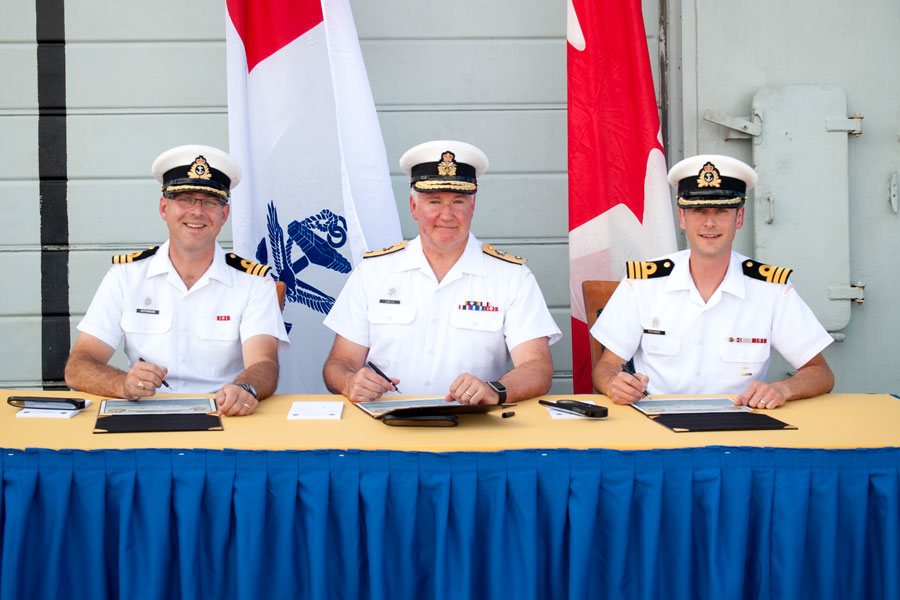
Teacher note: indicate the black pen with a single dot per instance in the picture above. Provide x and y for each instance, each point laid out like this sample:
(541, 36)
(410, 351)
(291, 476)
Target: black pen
(164, 381)
(380, 372)
(626, 366)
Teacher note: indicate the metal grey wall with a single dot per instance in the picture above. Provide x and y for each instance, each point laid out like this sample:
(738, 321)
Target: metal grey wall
(722, 51)
(138, 81)
(493, 73)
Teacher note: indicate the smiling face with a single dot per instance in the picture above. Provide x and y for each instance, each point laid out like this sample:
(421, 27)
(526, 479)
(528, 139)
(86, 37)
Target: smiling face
(193, 228)
(710, 231)
(444, 218)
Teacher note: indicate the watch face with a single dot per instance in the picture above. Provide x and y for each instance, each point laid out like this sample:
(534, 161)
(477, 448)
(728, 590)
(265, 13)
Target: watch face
(498, 387)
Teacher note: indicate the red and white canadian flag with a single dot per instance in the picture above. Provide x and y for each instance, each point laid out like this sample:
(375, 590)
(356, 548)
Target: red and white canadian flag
(316, 190)
(620, 206)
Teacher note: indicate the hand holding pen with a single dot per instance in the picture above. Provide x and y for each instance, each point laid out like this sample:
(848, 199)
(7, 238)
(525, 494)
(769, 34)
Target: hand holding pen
(367, 384)
(637, 382)
(142, 380)
(383, 376)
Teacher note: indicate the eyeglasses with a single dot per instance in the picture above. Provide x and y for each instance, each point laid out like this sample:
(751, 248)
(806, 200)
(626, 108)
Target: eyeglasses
(207, 202)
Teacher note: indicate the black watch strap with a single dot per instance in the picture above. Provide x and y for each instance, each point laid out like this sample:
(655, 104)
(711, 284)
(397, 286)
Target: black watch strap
(500, 389)
(247, 388)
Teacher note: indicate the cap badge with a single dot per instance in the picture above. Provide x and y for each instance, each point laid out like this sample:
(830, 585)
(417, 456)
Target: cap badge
(709, 176)
(199, 169)
(447, 166)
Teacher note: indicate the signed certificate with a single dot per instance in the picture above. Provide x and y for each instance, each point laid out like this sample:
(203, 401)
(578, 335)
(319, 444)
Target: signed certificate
(665, 406)
(159, 406)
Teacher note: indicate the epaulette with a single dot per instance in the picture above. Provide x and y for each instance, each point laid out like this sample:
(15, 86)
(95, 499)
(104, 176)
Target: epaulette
(121, 259)
(502, 254)
(650, 270)
(247, 266)
(770, 273)
(388, 250)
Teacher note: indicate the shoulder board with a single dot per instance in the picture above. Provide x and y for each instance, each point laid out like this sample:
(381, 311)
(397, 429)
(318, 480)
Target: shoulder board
(388, 250)
(649, 270)
(247, 266)
(502, 254)
(121, 259)
(770, 273)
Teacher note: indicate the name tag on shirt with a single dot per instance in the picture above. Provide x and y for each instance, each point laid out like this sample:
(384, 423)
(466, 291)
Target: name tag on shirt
(147, 311)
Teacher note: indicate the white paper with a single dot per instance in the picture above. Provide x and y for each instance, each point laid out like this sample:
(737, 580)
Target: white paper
(315, 411)
(39, 413)
(563, 414)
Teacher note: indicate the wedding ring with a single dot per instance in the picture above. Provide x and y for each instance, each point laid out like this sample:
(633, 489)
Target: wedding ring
(141, 384)
(468, 393)
(247, 405)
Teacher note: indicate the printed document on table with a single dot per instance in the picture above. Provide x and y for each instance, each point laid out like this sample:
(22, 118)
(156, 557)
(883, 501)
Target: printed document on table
(315, 411)
(665, 406)
(43, 413)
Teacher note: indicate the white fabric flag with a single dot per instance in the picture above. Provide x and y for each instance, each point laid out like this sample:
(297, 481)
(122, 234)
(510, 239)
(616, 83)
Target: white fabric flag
(316, 191)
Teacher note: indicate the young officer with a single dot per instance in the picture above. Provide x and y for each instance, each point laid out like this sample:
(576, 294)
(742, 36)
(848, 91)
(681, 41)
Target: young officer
(704, 320)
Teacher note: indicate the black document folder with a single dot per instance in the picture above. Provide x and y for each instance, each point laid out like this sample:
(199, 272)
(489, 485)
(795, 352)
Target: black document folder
(728, 421)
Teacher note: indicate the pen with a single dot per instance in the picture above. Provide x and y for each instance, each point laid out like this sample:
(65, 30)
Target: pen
(626, 366)
(380, 372)
(163, 381)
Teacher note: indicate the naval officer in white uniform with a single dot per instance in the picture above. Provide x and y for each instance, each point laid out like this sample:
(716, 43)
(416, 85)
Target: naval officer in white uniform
(194, 318)
(704, 320)
(443, 313)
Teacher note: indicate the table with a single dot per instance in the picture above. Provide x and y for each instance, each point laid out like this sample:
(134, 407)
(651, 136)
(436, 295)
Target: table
(622, 508)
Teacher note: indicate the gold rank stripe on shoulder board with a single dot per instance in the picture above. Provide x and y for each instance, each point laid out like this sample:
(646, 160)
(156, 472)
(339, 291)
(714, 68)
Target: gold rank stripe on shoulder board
(247, 266)
(770, 273)
(649, 270)
(121, 259)
(384, 251)
(502, 255)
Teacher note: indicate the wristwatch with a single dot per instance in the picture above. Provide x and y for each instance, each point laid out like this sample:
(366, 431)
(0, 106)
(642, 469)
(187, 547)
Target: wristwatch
(248, 388)
(500, 389)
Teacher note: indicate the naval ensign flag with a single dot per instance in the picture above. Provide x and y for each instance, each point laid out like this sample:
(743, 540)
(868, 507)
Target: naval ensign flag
(316, 192)
(619, 202)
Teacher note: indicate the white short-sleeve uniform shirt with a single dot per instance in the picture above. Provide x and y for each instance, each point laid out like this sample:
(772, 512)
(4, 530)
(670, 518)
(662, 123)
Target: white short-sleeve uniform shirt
(687, 346)
(427, 333)
(196, 334)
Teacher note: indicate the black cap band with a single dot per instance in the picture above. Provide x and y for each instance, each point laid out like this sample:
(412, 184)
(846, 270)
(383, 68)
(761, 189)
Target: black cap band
(729, 187)
(218, 182)
(429, 170)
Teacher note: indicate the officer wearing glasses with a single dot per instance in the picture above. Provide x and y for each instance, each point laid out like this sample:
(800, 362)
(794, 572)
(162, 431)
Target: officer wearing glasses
(195, 319)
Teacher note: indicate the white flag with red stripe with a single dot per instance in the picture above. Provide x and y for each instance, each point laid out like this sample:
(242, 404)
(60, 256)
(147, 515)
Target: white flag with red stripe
(316, 191)
(619, 201)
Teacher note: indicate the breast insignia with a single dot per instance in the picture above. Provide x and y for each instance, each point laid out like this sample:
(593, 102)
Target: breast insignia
(649, 270)
(502, 254)
(384, 251)
(770, 273)
(121, 259)
(247, 266)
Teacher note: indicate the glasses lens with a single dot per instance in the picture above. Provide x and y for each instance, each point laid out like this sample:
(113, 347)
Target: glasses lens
(190, 201)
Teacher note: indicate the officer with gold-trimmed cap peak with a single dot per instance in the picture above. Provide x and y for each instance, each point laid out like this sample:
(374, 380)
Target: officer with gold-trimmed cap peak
(197, 169)
(704, 320)
(442, 313)
(194, 318)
